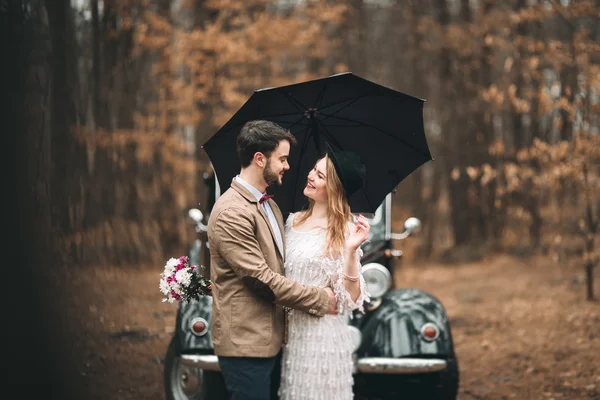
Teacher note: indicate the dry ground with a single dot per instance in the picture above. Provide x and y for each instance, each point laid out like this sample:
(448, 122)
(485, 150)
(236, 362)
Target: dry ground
(522, 329)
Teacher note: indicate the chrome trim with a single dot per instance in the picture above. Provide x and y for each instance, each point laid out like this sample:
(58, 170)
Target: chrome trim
(397, 253)
(192, 322)
(369, 365)
(437, 331)
(373, 304)
(208, 362)
(382, 365)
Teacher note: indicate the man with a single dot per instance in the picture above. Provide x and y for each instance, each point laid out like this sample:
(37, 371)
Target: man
(247, 246)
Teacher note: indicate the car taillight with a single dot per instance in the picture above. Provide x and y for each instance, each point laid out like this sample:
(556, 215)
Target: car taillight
(199, 326)
(430, 331)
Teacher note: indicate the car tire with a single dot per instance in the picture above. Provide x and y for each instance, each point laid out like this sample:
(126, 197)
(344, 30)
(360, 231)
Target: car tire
(180, 382)
(183, 383)
(446, 386)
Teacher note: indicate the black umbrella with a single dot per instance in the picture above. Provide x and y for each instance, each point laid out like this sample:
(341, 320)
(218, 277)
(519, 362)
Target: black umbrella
(384, 126)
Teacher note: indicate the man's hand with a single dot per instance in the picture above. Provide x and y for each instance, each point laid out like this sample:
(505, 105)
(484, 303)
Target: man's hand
(332, 302)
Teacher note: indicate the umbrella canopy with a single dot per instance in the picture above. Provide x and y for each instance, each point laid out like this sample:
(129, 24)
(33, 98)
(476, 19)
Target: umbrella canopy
(383, 126)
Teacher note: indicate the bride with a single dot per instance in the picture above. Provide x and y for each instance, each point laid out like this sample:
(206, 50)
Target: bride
(323, 249)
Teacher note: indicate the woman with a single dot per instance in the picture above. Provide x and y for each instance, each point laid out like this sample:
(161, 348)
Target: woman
(323, 249)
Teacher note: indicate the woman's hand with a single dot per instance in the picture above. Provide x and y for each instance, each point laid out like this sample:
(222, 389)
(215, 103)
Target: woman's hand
(359, 233)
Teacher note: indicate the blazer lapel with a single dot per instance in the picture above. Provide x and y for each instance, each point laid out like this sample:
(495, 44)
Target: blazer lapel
(244, 192)
(262, 212)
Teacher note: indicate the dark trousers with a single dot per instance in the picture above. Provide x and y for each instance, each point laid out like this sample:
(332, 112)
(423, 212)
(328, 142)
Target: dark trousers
(251, 378)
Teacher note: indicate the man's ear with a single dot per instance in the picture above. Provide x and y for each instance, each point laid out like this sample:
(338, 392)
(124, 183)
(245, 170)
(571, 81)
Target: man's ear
(260, 159)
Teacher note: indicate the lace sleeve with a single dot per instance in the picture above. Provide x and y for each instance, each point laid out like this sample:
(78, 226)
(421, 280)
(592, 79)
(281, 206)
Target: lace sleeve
(344, 299)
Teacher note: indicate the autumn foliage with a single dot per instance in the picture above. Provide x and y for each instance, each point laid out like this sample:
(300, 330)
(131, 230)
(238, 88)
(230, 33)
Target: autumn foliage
(133, 88)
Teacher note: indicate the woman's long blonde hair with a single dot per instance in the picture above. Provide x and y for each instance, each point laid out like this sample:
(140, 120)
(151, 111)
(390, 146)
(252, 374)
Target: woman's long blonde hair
(338, 212)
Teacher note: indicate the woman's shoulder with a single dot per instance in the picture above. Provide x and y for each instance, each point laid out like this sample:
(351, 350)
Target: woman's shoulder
(293, 217)
(290, 219)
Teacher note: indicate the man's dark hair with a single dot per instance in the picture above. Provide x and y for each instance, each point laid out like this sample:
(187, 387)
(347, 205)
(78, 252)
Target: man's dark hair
(260, 136)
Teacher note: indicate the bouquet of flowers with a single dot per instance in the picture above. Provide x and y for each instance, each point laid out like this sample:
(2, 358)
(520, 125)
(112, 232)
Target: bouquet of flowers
(183, 282)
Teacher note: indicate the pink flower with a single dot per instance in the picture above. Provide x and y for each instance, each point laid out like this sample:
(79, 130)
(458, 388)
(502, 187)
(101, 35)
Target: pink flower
(175, 295)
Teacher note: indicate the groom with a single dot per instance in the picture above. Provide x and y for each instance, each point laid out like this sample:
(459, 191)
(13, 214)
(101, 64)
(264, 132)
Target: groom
(247, 246)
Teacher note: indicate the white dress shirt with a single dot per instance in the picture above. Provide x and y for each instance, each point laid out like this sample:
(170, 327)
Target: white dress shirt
(270, 215)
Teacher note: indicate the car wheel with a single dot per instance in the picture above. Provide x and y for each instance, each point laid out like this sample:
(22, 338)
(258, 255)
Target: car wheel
(181, 382)
(446, 387)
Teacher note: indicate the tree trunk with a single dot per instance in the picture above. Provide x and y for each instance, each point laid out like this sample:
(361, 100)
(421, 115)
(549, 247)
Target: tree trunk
(62, 112)
(456, 183)
(591, 229)
(430, 218)
(36, 301)
(517, 116)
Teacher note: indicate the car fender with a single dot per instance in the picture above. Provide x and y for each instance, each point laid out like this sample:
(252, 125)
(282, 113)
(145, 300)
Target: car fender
(187, 313)
(393, 329)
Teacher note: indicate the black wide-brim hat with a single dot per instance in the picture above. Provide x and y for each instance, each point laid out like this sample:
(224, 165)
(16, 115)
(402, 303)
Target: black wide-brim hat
(350, 170)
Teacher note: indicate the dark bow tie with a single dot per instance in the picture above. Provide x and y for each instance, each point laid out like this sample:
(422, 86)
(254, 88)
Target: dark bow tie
(265, 198)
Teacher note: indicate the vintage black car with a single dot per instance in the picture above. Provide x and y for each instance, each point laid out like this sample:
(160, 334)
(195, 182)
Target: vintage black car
(403, 342)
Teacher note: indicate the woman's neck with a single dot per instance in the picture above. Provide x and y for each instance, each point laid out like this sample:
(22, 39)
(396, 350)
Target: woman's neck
(319, 211)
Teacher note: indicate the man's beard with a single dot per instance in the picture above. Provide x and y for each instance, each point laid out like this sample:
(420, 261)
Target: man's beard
(270, 177)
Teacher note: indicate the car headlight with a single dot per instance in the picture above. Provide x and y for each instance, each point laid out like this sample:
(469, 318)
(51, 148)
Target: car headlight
(378, 279)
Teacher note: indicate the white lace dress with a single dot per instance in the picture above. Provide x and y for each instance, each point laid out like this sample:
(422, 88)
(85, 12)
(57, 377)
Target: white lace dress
(317, 360)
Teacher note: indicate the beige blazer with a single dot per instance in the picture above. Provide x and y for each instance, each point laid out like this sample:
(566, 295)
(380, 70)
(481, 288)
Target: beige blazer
(248, 286)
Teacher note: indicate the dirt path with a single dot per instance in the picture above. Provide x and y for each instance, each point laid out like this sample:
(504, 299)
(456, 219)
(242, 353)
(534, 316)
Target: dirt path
(522, 329)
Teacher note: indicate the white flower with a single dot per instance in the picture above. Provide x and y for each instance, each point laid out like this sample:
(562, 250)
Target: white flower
(183, 277)
(164, 286)
(176, 288)
(170, 266)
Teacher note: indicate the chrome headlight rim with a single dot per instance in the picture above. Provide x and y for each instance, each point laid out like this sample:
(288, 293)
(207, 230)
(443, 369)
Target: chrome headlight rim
(379, 272)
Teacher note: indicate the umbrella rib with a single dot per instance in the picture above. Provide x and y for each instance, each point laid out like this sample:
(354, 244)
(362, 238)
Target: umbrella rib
(297, 121)
(281, 115)
(284, 122)
(329, 136)
(320, 96)
(343, 126)
(350, 102)
(296, 103)
(380, 130)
